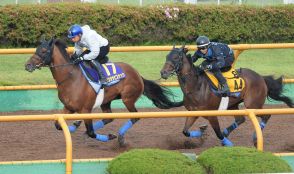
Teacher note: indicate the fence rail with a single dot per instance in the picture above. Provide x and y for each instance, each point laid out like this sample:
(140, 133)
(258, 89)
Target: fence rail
(251, 113)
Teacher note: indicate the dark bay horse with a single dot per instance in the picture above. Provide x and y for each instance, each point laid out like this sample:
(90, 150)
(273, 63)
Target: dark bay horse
(198, 96)
(77, 95)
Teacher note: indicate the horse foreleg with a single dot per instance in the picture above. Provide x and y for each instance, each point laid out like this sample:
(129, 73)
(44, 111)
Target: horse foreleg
(215, 125)
(91, 133)
(193, 134)
(72, 128)
(101, 123)
(262, 124)
(238, 121)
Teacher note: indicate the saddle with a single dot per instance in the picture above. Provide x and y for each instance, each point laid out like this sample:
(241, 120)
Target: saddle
(235, 82)
(111, 71)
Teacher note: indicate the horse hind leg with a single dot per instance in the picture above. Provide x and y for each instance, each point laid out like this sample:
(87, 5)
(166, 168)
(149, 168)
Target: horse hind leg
(215, 125)
(238, 121)
(127, 125)
(262, 124)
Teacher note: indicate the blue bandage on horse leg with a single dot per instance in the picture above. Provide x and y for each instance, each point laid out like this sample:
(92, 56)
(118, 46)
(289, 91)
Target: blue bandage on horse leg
(195, 134)
(262, 125)
(234, 125)
(103, 138)
(72, 128)
(226, 132)
(125, 128)
(227, 142)
(98, 125)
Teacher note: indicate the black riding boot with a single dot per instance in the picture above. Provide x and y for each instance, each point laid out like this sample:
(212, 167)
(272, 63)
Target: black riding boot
(96, 65)
(224, 88)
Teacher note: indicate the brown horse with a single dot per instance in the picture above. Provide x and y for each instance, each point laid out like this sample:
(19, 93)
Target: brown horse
(77, 95)
(198, 95)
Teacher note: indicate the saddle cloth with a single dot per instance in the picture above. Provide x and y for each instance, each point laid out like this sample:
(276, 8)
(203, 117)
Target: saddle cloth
(111, 71)
(235, 83)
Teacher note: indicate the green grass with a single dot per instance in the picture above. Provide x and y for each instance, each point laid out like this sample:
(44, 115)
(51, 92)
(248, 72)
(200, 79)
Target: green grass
(153, 161)
(275, 62)
(231, 160)
(150, 2)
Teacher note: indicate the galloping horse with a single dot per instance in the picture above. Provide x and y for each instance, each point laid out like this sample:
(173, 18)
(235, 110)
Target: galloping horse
(77, 95)
(198, 95)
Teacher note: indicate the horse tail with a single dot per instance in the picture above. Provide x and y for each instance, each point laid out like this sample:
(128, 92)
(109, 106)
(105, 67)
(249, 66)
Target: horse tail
(275, 90)
(159, 95)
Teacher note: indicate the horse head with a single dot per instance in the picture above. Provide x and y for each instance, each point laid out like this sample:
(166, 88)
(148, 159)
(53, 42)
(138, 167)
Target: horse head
(42, 56)
(174, 62)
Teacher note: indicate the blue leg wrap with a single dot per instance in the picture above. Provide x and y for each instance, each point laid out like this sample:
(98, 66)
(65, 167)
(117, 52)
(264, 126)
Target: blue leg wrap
(103, 138)
(227, 142)
(72, 128)
(226, 132)
(98, 125)
(234, 125)
(195, 134)
(262, 125)
(125, 128)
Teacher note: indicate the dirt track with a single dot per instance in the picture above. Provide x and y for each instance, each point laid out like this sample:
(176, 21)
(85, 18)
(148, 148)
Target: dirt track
(41, 141)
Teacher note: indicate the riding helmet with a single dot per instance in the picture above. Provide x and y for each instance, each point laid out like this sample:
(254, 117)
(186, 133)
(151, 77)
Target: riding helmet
(202, 42)
(74, 30)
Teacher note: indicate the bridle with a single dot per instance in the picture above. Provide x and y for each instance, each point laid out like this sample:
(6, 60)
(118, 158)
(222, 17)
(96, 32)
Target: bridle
(46, 58)
(175, 64)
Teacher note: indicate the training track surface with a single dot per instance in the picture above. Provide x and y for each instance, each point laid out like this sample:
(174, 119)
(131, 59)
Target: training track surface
(39, 140)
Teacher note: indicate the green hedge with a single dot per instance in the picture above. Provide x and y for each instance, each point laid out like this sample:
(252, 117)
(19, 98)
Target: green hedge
(153, 161)
(233, 160)
(23, 25)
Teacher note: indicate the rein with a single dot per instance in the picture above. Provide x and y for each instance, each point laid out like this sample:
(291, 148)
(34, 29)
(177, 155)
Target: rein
(69, 75)
(57, 66)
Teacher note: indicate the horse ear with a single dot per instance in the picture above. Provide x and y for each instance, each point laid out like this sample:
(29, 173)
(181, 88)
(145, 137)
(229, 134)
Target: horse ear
(51, 41)
(43, 39)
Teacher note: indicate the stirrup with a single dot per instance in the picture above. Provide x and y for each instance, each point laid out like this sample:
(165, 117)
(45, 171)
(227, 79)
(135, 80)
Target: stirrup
(223, 88)
(103, 81)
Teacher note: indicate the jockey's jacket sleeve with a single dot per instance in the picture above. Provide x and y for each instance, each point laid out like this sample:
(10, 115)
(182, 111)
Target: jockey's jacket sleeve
(78, 49)
(92, 41)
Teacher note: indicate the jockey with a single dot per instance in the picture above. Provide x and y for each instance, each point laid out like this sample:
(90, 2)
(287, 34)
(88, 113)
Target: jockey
(97, 45)
(218, 56)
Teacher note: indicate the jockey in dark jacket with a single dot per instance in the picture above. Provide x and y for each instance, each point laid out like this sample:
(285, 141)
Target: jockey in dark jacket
(218, 56)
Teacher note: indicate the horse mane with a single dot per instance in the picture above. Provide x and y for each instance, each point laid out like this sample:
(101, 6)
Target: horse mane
(61, 45)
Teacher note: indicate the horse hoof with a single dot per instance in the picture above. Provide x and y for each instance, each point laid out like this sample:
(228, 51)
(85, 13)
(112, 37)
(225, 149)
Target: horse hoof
(77, 123)
(111, 136)
(226, 142)
(203, 128)
(121, 141)
(57, 126)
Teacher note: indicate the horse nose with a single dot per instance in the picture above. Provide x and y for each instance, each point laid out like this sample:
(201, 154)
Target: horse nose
(29, 67)
(163, 74)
